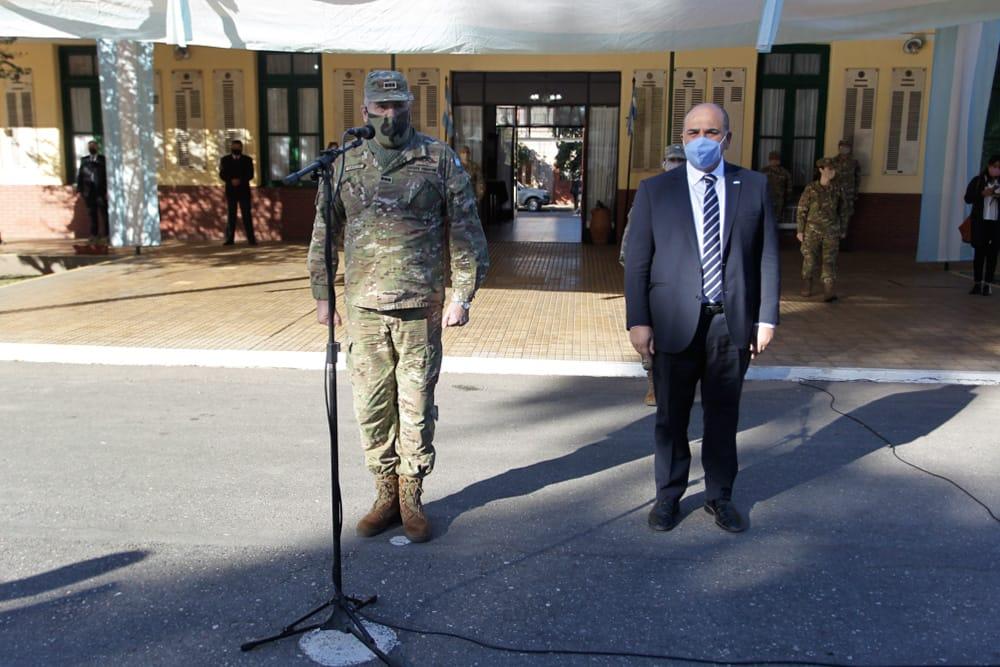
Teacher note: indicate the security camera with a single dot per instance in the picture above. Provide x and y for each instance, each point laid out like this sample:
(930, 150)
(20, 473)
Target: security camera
(913, 44)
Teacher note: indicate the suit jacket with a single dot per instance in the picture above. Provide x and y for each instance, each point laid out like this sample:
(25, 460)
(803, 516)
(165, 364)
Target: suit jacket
(974, 196)
(92, 177)
(663, 262)
(230, 168)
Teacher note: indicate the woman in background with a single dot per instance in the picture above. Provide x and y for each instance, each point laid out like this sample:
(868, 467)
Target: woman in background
(984, 195)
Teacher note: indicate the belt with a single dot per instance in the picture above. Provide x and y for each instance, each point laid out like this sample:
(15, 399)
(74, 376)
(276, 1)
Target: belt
(712, 308)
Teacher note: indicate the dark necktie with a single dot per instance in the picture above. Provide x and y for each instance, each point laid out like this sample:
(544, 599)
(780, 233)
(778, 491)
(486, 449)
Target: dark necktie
(711, 256)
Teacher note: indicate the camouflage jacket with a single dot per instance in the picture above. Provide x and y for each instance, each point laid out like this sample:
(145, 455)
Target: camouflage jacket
(475, 173)
(848, 175)
(779, 184)
(822, 207)
(396, 224)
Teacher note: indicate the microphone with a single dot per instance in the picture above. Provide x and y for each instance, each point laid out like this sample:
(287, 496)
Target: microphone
(362, 132)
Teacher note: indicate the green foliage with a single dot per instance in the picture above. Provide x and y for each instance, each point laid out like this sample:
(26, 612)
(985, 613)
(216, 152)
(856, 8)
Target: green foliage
(8, 68)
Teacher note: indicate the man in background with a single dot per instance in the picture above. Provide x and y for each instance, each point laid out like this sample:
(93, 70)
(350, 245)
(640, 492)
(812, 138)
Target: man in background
(236, 171)
(92, 184)
(848, 178)
(779, 185)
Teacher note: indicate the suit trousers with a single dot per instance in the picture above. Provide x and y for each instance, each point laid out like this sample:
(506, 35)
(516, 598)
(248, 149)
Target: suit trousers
(97, 207)
(715, 361)
(985, 256)
(244, 203)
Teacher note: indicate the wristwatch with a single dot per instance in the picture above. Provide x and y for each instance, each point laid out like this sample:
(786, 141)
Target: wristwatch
(465, 304)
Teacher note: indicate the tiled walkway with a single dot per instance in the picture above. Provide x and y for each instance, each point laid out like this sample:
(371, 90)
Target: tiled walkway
(542, 301)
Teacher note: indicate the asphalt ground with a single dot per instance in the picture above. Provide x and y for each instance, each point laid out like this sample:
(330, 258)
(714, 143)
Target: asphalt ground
(163, 516)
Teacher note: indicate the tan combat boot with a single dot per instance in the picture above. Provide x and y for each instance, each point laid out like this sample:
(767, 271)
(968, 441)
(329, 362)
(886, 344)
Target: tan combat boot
(807, 287)
(650, 393)
(828, 294)
(385, 511)
(415, 523)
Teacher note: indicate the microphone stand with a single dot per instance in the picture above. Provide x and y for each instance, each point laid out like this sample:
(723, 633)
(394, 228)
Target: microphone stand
(344, 616)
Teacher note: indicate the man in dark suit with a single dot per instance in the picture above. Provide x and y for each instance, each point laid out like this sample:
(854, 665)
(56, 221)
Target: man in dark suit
(701, 293)
(236, 171)
(92, 184)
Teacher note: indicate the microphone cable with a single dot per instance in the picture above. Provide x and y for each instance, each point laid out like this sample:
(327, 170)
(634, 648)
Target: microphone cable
(892, 447)
(686, 658)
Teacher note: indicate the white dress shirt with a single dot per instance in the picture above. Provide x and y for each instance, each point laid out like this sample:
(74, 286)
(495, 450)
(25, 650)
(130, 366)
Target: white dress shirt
(991, 206)
(696, 188)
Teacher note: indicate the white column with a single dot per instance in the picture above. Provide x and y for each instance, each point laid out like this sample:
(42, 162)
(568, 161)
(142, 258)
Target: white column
(127, 85)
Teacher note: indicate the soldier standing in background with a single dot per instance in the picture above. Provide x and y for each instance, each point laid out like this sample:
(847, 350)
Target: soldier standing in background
(673, 157)
(399, 188)
(779, 185)
(822, 223)
(848, 177)
(474, 171)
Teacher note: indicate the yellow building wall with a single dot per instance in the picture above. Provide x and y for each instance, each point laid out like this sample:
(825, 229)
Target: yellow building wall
(34, 155)
(883, 55)
(212, 137)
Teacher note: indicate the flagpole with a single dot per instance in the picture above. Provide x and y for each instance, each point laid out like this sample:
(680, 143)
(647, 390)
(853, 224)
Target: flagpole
(632, 114)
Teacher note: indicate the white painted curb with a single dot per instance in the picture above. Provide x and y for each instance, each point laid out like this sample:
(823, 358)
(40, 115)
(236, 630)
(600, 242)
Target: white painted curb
(148, 356)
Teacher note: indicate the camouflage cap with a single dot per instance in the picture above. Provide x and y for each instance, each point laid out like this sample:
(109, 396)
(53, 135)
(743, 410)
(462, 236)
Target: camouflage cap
(387, 86)
(826, 162)
(844, 142)
(674, 152)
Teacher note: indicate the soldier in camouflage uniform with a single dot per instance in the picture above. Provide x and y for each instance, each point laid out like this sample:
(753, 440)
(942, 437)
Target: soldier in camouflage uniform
(406, 203)
(673, 157)
(848, 177)
(779, 184)
(474, 171)
(822, 222)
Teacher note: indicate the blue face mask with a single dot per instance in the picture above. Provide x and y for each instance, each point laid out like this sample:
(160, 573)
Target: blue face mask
(703, 153)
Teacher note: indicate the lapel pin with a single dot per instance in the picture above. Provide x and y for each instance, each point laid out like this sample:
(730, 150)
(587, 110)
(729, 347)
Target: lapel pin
(736, 182)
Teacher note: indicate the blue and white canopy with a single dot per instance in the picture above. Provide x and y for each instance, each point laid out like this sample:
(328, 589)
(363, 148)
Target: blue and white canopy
(478, 26)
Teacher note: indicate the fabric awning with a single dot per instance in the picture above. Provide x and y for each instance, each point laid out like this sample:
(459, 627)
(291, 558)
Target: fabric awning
(475, 26)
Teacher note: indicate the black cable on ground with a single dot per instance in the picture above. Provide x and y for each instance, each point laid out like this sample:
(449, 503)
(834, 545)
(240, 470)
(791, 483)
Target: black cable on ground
(625, 654)
(892, 447)
(680, 658)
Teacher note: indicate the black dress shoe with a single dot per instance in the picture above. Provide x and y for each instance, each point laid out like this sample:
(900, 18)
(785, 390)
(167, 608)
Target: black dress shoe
(228, 243)
(665, 515)
(727, 517)
(976, 290)
(251, 242)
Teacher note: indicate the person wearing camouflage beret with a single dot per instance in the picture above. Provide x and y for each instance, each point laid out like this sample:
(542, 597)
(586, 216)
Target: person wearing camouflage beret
(821, 220)
(848, 177)
(673, 157)
(779, 184)
(406, 206)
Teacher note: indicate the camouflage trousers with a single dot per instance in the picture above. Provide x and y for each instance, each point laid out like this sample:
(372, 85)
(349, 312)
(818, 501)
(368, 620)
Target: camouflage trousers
(394, 358)
(819, 244)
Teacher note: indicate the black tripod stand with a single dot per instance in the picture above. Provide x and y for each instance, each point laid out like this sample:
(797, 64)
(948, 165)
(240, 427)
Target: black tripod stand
(344, 616)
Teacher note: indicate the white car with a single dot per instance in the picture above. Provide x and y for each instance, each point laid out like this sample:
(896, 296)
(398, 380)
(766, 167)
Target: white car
(532, 199)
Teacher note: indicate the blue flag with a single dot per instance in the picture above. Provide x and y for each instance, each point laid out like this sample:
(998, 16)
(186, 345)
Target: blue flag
(633, 112)
(449, 126)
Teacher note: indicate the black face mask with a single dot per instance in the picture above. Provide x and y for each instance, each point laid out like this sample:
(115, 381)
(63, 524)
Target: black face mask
(237, 152)
(391, 132)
